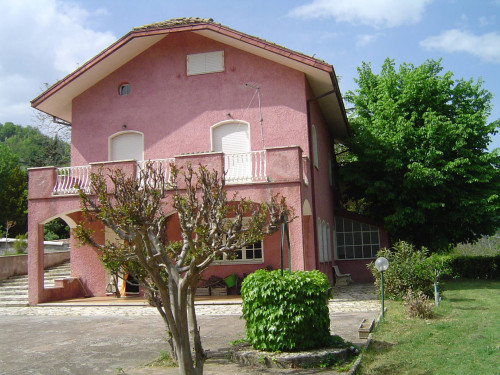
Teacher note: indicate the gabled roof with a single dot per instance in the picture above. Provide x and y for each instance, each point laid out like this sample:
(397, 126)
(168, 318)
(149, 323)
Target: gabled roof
(57, 100)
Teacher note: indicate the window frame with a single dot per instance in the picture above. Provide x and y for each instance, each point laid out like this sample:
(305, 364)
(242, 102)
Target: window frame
(203, 63)
(364, 230)
(243, 260)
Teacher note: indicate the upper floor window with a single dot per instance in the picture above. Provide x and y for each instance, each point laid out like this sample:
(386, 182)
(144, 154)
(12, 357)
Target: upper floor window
(202, 63)
(124, 89)
(126, 145)
(233, 139)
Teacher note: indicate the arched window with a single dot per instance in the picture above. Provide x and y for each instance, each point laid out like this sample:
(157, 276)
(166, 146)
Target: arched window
(233, 139)
(126, 145)
(325, 242)
(319, 229)
(329, 244)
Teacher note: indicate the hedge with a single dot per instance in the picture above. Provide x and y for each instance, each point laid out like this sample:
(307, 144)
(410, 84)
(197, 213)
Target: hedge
(286, 313)
(475, 267)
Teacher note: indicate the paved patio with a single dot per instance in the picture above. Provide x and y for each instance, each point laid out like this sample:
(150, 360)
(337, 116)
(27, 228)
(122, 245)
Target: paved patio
(99, 336)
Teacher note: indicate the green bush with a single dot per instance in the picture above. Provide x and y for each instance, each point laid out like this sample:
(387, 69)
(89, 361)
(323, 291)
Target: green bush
(476, 267)
(409, 268)
(286, 313)
(21, 244)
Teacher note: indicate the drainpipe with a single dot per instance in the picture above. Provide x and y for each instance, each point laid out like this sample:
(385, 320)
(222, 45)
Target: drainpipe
(311, 161)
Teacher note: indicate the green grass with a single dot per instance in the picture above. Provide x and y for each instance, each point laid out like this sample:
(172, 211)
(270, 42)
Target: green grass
(463, 338)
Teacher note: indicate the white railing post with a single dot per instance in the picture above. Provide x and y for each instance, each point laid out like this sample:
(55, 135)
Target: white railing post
(245, 167)
(156, 163)
(70, 179)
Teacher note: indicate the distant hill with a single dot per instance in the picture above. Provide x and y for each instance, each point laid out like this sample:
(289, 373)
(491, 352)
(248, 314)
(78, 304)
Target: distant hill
(33, 148)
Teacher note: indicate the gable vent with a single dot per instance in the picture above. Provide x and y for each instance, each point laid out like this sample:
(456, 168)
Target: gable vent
(202, 63)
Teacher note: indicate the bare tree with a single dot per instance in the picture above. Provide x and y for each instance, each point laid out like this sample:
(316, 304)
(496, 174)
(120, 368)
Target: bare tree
(50, 125)
(211, 225)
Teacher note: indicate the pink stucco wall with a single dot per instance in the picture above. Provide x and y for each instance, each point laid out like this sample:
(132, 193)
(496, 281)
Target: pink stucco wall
(175, 111)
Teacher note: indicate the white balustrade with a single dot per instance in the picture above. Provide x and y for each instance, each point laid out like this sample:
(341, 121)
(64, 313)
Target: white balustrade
(245, 167)
(70, 179)
(156, 164)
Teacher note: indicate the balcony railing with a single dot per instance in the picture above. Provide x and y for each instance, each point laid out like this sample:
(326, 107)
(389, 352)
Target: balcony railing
(245, 167)
(239, 168)
(69, 179)
(156, 164)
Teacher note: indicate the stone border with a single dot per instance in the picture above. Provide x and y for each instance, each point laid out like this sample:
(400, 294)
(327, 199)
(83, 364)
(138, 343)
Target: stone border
(245, 355)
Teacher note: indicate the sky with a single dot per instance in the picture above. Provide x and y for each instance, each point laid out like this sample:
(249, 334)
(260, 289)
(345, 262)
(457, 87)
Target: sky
(41, 41)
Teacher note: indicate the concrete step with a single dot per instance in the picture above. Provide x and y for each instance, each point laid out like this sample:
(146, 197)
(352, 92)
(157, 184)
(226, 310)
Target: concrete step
(9, 292)
(14, 290)
(14, 303)
(14, 298)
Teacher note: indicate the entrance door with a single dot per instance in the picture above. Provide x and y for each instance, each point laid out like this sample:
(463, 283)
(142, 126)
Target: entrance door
(233, 139)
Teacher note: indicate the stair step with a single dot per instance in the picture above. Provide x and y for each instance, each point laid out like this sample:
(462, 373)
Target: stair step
(14, 298)
(14, 303)
(14, 290)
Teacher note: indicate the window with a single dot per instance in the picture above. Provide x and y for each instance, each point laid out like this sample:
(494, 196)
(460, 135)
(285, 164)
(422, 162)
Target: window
(252, 254)
(325, 242)
(319, 229)
(329, 244)
(315, 146)
(124, 89)
(356, 240)
(126, 145)
(202, 63)
(233, 139)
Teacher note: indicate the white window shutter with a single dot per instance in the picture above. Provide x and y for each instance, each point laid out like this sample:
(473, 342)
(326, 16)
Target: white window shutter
(202, 63)
(232, 138)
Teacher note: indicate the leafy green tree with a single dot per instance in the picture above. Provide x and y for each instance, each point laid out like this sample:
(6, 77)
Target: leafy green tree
(13, 193)
(418, 155)
(33, 148)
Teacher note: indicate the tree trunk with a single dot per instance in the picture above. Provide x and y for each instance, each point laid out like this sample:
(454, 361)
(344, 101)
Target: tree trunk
(199, 353)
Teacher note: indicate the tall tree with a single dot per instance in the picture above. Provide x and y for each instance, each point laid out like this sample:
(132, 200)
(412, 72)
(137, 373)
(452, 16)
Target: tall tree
(13, 193)
(419, 156)
(211, 225)
(33, 148)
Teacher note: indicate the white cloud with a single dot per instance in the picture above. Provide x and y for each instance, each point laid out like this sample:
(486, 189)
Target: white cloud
(486, 46)
(41, 41)
(378, 14)
(365, 39)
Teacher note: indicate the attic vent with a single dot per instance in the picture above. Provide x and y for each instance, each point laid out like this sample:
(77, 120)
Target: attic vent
(202, 63)
(124, 89)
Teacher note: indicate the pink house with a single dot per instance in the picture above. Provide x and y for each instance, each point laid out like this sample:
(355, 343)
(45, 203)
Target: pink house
(192, 90)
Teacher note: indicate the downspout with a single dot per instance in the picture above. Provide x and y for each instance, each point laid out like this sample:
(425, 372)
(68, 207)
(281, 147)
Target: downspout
(311, 161)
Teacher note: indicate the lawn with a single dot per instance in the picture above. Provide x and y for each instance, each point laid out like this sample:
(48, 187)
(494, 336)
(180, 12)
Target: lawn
(462, 338)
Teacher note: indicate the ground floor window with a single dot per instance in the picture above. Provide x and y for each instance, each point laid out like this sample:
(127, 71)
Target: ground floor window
(249, 254)
(355, 240)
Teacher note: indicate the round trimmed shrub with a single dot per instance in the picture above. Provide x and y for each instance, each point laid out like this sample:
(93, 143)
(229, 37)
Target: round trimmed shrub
(286, 313)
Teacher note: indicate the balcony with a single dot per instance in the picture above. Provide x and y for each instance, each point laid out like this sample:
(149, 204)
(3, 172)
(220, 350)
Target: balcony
(273, 165)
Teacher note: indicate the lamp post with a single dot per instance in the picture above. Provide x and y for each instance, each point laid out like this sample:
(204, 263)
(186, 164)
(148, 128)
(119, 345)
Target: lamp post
(382, 264)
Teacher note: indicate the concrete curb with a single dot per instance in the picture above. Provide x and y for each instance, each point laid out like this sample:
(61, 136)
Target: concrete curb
(354, 368)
